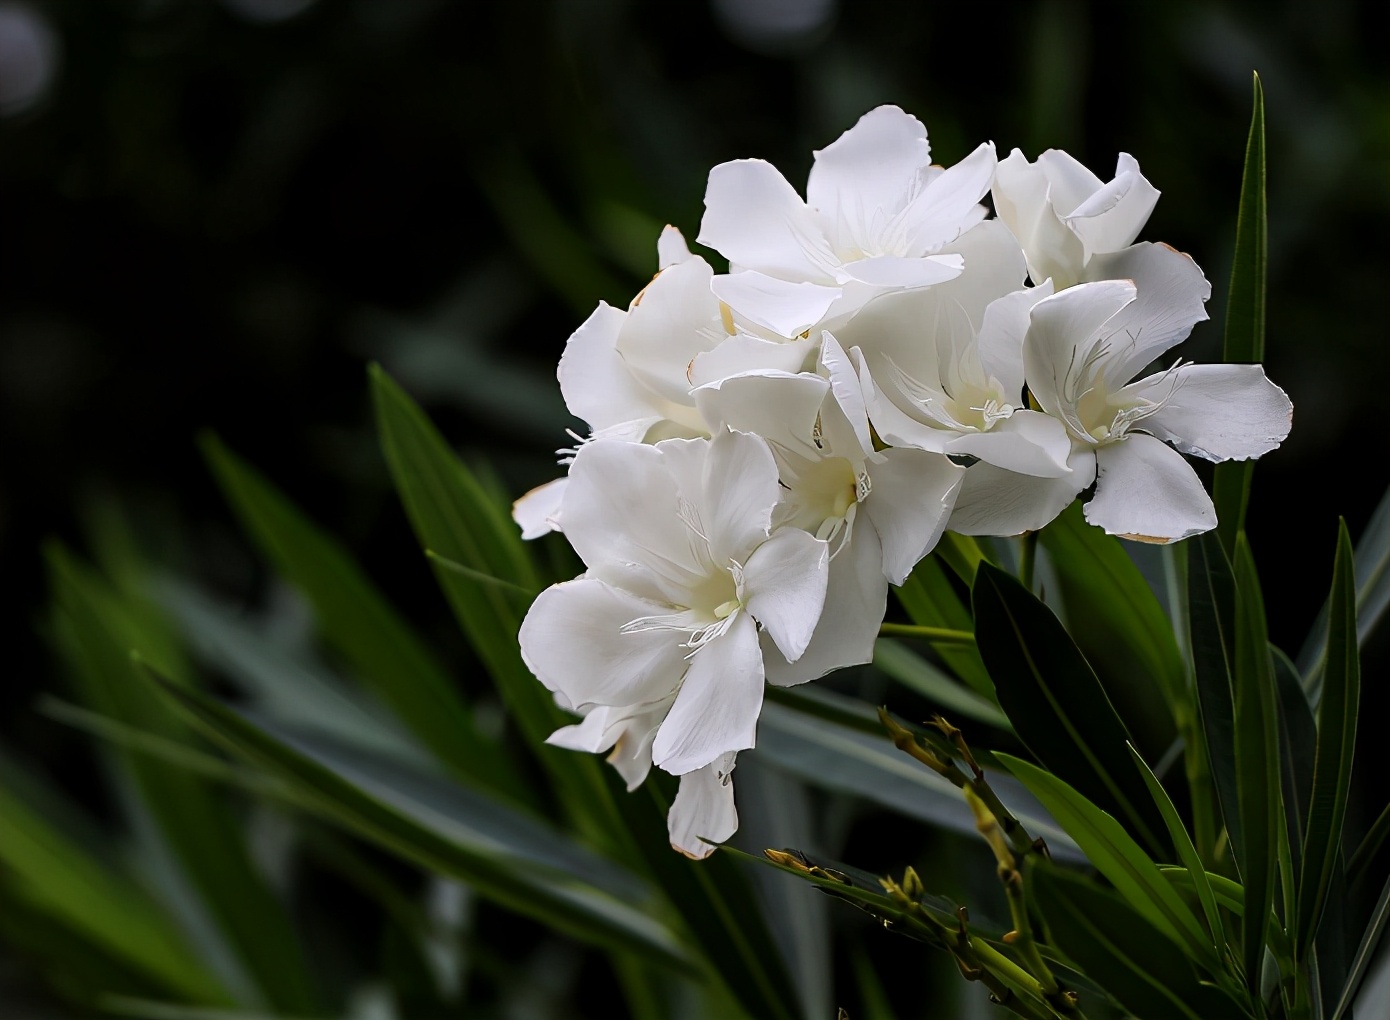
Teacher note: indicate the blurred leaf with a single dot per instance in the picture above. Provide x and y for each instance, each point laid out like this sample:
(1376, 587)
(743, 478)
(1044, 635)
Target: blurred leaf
(98, 630)
(1127, 636)
(917, 674)
(59, 878)
(838, 758)
(873, 997)
(384, 653)
(1057, 706)
(1211, 601)
(1336, 746)
(506, 856)
(931, 601)
(1372, 595)
(1187, 853)
(1121, 949)
(1257, 757)
(1370, 847)
(1370, 939)
(1245, 314)
(1119, 858)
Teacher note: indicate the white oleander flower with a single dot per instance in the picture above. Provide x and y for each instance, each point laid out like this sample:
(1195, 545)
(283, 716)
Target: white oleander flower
(1064, 216)
(657, 644)
(942, 368)
(1083, 347)
(628, 374)
(881, 512)
(877, 218)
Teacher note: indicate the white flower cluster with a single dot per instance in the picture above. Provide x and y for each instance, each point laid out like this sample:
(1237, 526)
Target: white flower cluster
(772, 447)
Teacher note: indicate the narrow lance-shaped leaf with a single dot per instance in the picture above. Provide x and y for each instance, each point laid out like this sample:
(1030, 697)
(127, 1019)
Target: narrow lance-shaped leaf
(1298, 739)
(1211, 602)
(382, 650)
(1257, 758)
(1337, 712)
(1119, 858)
(1056, 704)
(932, 601)
(1245, 313)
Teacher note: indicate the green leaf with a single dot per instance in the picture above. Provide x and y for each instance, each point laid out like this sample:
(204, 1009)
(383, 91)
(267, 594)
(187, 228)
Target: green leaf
(932, 601)
(1127, 636)
(1256, 717)
(1121, 949)
(1119, 858)
(383, 652)
(506, 856)
(1336, 745)
(1245, 314)
(917, 674)
(1298, 739)
(836, 757)
(60, 877)
(1055, 702)
(196, 825)
(1372, 595)
(1211, 603)
(1187, 853)
(1370, 940)
(1230, 896)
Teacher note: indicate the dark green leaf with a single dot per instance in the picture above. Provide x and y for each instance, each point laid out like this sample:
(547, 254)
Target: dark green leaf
(1370, 940)
(1119, 858)
(1121, 949)
(1256, 716)
(97, 631)
(1298, 738)
(506, 856)
(1127, 636)
(1337, 712)
(932, 601)
(60, 877)
(1245, 313)
(1056, 704)
(383, 652)
(1211, 603)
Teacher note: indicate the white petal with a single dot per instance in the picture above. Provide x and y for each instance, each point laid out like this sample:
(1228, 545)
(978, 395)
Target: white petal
(913, 493)
(627, 729)
(993, 501)
(949, 205)
(1148, 492)
(756, 220)
(538, 512)
(1021, 202)
(1028, 442)
(572, 640)
(1170, 298)
(673, 320)
(897, 273)
(1220, 412)
(1063, 330)
(849, 394)
(596, 384)
(671, 248)
(1111, 218)
(779, 406)
(741, 488)
(622, 515)
(704, 806)
(743, 353)
(1002, 329)
(717, 708)
(786, 308)
(785, 582)
(856, 597)
(1069, 182)
(869, 174)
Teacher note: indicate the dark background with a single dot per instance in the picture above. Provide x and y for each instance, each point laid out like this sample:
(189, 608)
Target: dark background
(213, 215)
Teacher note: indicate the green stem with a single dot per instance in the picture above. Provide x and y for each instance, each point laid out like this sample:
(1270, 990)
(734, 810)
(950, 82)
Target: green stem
(939, 635)
(1027, 558)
